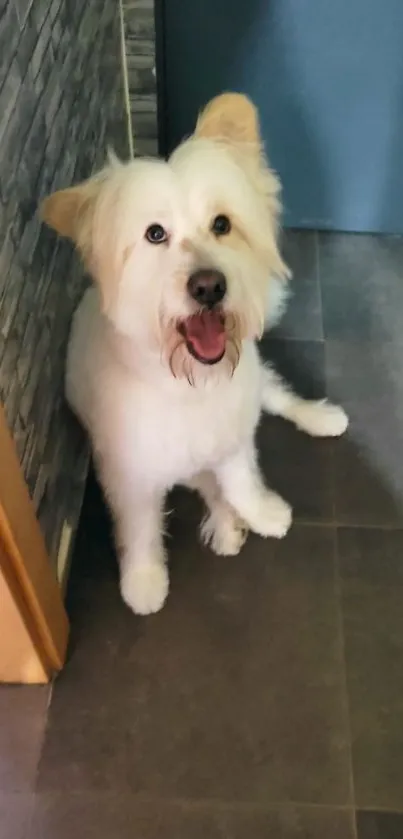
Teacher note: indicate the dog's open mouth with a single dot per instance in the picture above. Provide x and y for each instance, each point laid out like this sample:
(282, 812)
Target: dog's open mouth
(205, 336)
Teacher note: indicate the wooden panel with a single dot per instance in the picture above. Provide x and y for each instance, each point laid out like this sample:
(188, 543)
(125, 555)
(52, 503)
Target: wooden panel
(19, 660)
(25, 565)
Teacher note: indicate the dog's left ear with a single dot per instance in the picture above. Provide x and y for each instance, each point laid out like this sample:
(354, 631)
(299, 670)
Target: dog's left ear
(230, 117)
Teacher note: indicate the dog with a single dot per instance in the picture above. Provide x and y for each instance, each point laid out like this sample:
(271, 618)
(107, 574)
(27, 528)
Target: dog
(163, 369)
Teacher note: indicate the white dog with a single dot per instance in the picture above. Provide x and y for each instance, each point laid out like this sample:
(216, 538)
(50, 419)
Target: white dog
(163, 369)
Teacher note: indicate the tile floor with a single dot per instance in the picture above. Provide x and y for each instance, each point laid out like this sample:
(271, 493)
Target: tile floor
(266, 700)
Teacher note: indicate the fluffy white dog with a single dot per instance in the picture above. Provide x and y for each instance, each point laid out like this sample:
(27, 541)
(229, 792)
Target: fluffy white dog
(163, 368)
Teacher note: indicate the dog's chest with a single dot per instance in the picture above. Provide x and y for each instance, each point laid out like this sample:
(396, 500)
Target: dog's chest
(175, 435)
(190, 438)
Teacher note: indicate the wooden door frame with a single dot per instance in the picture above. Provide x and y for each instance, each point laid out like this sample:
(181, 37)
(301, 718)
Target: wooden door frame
(33, 621)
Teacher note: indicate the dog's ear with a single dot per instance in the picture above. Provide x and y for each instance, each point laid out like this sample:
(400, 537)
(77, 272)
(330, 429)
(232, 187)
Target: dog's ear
(231, 117)
(82, 214)
(68, 209)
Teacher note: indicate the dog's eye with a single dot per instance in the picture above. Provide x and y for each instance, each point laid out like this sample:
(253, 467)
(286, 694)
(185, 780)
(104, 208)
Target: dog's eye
(156, 234)
(221, 225)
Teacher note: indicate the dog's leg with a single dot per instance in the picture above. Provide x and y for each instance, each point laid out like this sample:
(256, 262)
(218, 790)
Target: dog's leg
(318, 418)
(221, 528)
(144, 578)
(243, 488)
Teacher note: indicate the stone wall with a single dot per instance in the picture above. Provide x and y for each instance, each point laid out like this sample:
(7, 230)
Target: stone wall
(140, 51)
(61, 103)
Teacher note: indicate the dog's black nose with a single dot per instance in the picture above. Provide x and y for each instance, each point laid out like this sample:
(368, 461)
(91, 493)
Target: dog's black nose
(207, 287)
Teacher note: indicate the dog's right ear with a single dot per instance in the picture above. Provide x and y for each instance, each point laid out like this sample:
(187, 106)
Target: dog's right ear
(80, 214)
(87, 214)
(68, 210)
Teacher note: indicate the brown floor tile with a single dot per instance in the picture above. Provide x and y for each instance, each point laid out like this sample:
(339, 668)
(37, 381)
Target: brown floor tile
(103, 630)
(379, 825)
(301, 363)
(15, 814)
(303, 316)
(362, 495)
(22, 723)
(299, 468)
(100, 817)
(233, 691)
(83, 754)
(366, 379)
(361, 281)
(372, 583)
(295, 465)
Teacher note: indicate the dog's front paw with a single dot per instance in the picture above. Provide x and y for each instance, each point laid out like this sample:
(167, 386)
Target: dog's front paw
(272, 516)
(224, 532)
(321, 419)
(144, 587)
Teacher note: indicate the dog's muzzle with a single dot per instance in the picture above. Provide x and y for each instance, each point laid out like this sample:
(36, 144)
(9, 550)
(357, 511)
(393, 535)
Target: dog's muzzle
(204, 332)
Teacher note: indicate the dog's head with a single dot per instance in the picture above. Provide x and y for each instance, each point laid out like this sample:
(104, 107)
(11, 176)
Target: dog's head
(183, 250)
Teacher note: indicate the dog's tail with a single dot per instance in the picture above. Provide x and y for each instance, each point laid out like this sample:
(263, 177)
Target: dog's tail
(278, 293)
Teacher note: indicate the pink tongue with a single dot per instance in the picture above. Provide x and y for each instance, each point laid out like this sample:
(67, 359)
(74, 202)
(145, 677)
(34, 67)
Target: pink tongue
(206, 333)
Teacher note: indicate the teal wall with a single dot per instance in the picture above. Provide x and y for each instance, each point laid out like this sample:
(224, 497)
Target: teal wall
(328, 80)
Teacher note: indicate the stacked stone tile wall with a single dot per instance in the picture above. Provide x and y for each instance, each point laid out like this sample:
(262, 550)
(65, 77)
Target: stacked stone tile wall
(61, 104)
(140, 52)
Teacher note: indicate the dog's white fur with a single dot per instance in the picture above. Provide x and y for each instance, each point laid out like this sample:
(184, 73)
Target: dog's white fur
(155, 415)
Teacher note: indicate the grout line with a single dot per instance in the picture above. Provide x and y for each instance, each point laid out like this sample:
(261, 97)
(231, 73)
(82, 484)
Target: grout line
(333, 451)
(388, 528)
(376, 809)
(239, 805)
(342, 639)
(339, 525)
(319, 283)
(30, 819)
(50, 697)
(42, 741)
(205, 803)
(284, 339)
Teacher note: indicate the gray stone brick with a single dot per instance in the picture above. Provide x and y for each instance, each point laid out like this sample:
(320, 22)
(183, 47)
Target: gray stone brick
(54, 94)
(28, 166)
(146, 147)
(140, 51)
(9, 37)
(26, 45)
(43, 43)
(56, 34)
(12, 145)
(141, 78)
(23, 7)
(54, 10)
(10, 396)
(8, 96)
(140, 54)
(7, 253)
(40, 11)
(144, 116)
